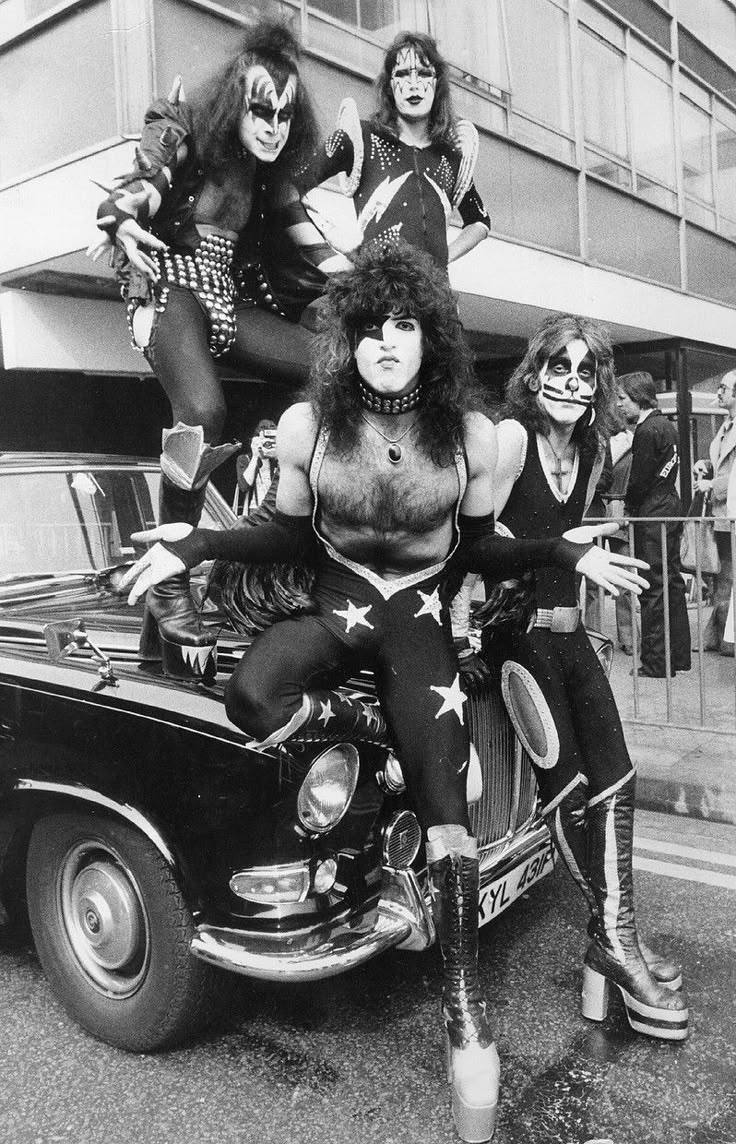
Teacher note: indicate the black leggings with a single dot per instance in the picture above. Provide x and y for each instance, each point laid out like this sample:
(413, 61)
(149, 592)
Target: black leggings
(571, 710)
(266, 345)
(407, 641)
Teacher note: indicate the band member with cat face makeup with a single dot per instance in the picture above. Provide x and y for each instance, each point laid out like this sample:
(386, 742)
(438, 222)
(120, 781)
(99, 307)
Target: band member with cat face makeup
(409, 166)
(192, 228)
(386, 478)
(559, 413)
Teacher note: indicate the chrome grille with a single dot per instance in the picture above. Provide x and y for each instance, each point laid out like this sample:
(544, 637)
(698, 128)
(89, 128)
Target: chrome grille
(401, 840)
(509, 787)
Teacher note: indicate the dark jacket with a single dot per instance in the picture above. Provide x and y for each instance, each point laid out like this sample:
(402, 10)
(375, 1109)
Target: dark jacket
(652, 487)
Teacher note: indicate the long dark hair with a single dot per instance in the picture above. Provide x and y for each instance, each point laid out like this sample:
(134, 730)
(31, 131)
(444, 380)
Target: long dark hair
(386, 278)
(441, 118)
(521, 392)
(218, 106)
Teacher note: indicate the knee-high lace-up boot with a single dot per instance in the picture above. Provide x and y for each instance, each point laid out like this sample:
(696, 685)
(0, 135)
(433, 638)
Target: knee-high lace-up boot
(614, 956)
(172, 630)
(328, 716)
(472, 1060)
(566, 818)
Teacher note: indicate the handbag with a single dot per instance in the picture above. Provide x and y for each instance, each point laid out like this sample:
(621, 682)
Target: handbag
(698, 538)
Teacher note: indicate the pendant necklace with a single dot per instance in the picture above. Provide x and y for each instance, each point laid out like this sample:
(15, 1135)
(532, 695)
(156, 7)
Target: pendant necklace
(557, 469)
(394, 449)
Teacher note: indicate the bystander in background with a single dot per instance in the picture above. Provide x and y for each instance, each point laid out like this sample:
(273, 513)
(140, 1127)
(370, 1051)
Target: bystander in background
(722, 457)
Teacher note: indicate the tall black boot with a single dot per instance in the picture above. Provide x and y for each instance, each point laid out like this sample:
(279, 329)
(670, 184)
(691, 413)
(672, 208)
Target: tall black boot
(328, 716)
(567, 822)
(472, 1060)
(614, 956)
(172, 630)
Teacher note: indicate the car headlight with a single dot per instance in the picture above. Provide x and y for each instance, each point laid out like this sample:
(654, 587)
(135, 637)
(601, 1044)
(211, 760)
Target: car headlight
(328, 787)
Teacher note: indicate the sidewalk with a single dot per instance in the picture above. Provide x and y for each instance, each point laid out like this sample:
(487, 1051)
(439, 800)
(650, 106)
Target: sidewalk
(682, 770)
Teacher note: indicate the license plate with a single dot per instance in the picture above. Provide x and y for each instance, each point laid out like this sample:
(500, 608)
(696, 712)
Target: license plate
(501, 893)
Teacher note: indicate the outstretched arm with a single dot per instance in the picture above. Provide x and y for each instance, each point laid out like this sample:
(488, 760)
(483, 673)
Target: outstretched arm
(482, 550)
(289, 536)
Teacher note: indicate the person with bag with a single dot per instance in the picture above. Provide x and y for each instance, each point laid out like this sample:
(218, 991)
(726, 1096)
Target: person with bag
(722, 456)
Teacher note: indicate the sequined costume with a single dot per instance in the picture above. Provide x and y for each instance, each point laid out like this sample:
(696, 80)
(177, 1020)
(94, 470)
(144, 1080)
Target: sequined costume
(577, 733)
(400, 191)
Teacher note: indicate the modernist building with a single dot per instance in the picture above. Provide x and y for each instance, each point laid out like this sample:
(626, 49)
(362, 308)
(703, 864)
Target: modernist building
(607, 163)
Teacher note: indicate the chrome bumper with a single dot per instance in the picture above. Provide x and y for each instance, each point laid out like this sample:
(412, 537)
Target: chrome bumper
(400, 919)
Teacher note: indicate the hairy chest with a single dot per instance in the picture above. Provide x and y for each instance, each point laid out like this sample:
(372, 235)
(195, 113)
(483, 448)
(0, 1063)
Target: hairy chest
(367, 492)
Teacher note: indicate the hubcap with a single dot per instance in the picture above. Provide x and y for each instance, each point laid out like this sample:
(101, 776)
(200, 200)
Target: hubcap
(104, 918)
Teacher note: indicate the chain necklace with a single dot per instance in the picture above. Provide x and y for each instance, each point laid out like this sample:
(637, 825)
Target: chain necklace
(394, 449)
(559, 458)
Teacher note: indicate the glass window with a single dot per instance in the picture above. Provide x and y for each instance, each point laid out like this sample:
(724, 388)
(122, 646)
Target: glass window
(604, 94)
(714, 23)
(379, 18)
(696, 153)
(470, 35)
(725, 128)
(539, 46)
(652, 125)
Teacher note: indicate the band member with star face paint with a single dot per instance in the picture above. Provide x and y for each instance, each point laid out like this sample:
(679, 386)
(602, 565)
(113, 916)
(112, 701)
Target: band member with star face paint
(410, 165)
(189, 226)
(560, 411)
(386, 480)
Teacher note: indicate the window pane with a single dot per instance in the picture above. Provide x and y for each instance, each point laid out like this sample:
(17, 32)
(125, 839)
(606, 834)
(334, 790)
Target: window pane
(696, 158)
(535, 135)
(606, 169)
(714, 23)
(470, 35)
(653, 193)
(726, 174)
(540, 61)
(604, 95)
(653, 129)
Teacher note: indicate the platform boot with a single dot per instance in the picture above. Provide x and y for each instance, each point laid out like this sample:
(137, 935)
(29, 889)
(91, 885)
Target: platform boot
(614, 956)
(329, 716)
(566, 818)
(172, 629)
(472, 1060)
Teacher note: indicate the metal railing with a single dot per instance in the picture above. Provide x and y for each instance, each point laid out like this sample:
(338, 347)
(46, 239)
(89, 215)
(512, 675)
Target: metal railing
(703, 697)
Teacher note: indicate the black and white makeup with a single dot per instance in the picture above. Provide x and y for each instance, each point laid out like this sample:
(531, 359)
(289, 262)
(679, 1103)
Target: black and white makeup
(568, 382)
(388, 353)
(266, 121)
(413, 83)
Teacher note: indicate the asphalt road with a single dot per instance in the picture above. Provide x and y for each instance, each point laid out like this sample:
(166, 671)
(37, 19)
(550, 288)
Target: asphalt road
(358, 1060)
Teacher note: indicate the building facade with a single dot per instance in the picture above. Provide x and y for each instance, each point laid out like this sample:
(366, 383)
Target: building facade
(607, 163)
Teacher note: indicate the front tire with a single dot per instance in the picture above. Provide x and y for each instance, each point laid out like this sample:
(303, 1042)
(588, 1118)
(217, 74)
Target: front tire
(113, 930)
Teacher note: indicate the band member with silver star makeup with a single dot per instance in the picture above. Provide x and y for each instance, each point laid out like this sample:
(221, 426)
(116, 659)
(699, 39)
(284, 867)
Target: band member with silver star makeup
(559, 413)
(190, 227)
(411, 165)
(386, 481)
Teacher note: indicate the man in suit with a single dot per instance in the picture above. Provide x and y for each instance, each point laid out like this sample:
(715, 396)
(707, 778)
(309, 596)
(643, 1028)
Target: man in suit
(652, 492)
(722, 456)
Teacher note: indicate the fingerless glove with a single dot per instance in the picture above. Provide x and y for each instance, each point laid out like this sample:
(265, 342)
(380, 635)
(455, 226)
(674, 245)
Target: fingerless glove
(283, 539)
(481, 549)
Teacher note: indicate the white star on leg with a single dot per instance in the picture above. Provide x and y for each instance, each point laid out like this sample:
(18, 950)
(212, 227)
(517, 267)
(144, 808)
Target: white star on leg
(431, 606)
(452, 699)
(326, 713)
(354, 616)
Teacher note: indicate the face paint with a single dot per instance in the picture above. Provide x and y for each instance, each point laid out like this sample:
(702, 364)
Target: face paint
(388, 353)
(413, 84)
(568, 382)
(266, 121)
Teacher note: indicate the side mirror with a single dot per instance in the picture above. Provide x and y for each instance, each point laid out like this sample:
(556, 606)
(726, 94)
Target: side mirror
(63, 637)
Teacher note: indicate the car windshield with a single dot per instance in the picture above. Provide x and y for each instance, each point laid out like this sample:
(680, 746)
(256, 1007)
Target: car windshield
(74, 520)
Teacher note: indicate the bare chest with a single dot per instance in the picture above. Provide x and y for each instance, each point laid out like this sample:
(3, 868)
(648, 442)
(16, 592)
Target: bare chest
(367, 492)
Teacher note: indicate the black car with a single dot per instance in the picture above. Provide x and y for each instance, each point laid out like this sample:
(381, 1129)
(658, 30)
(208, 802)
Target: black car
(143, 837)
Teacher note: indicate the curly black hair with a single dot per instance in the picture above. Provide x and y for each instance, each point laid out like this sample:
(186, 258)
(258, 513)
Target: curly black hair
(393, 278)
(521, 392)
(218, 105)
(441, 117)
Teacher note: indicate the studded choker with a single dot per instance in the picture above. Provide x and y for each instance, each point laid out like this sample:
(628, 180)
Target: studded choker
(378, 404)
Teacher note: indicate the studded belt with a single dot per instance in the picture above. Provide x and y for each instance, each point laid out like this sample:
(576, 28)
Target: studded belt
(561, 620)
(207, 273)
